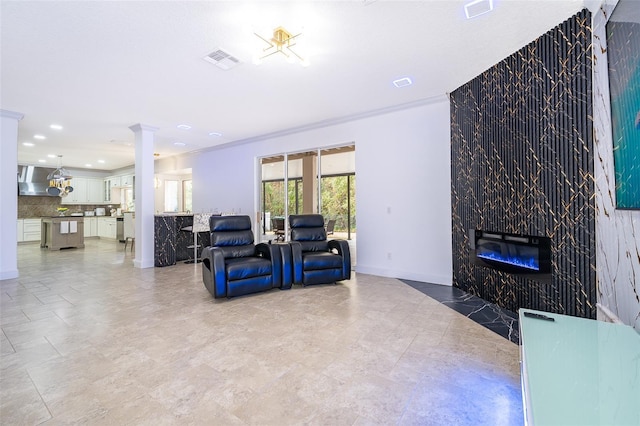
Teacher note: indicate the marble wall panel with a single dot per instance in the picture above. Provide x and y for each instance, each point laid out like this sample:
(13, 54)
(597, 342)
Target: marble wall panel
(171, 242)
(617, 231)
(522, 163)
(164, 240)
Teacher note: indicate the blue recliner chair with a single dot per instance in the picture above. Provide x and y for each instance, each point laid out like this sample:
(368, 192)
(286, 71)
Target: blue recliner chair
(234, 266)
(316, 260)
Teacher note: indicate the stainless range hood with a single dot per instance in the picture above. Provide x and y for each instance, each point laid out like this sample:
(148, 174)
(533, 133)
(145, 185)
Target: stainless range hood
(33, 180)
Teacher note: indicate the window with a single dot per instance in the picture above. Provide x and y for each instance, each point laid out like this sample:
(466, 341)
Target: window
(170, 195)
(186, 195)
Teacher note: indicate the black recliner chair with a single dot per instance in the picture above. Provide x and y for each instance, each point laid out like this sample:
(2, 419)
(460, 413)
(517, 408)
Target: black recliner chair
(233, 265)
(316, 260)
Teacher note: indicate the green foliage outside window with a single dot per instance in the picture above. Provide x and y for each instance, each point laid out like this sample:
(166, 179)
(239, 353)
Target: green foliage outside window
(335, 205)
(335, 190)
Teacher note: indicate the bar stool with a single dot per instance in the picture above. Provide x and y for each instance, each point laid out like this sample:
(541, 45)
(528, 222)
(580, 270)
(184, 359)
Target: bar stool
(200, 224)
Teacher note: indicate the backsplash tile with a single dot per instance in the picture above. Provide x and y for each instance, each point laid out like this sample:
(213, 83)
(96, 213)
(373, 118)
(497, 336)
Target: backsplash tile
(35, 206)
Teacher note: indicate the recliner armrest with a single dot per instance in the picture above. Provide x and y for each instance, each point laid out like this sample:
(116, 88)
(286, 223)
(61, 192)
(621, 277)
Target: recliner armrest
(296, 259)
(287, 266)
(272, 253)
(342, 247)
(213, 271)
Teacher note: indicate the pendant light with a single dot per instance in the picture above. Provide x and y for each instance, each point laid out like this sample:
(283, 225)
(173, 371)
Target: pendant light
(59, 181)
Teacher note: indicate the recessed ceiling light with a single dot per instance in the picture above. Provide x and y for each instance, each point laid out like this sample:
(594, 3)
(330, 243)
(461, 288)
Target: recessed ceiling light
(101, 161)
(179, 143)
(183, 126)
(56, 127)
(42, 161)
(402, 82)
(88, 165)
(477, 8)
(39, 137)
(27, 144)
(51, 155)
(215, 134)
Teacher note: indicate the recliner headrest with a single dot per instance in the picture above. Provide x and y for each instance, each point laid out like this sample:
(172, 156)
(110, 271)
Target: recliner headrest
(229, 223)
(231, 238)
(306, 220)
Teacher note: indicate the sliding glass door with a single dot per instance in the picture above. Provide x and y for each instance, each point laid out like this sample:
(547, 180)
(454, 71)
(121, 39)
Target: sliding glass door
(318, 181)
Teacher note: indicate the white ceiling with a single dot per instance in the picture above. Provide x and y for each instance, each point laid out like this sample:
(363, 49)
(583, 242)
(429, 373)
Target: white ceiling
(98, 67)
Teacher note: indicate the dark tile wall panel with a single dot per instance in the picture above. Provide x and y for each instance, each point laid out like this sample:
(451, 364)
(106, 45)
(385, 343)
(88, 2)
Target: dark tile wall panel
(522, 162)
(171, 244)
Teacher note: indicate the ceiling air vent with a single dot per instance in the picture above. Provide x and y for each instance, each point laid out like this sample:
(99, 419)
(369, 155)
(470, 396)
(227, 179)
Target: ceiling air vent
(222, 59)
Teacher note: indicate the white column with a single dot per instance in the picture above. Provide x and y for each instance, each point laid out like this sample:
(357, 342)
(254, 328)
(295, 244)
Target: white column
(9, 194)
(144, 192)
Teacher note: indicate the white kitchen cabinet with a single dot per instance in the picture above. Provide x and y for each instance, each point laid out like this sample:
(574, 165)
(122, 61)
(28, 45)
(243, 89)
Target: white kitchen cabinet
(94, 191)
(79, 193)
(107, 227)
(106, 190)
(20, 232)
(85, 191)
(110, 183)
(31, 229)
(90, 227)
(126, 180)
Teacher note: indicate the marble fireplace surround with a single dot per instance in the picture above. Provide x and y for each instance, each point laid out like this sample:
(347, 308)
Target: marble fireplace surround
(617, 231)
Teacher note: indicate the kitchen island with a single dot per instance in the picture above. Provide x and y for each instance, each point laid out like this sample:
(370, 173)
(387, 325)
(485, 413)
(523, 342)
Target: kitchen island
(172, 241)
(59, 232)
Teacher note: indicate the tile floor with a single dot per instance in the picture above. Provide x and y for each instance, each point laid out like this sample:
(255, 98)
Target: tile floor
(497, 319)
(88, 339)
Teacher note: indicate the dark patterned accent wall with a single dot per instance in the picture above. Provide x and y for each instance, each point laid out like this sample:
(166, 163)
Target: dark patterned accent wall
(522, 163)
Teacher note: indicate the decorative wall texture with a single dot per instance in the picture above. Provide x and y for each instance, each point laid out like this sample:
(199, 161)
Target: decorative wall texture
(617, 231)
(522, 163)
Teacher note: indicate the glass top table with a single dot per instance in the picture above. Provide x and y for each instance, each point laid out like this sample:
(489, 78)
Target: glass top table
(577, 371)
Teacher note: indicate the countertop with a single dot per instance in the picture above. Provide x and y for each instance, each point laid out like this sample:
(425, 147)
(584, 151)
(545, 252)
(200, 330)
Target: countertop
(62, 217)
(173, 214)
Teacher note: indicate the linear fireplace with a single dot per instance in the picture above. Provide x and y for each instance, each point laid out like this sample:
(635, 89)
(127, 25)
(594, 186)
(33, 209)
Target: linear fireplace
(513, 253)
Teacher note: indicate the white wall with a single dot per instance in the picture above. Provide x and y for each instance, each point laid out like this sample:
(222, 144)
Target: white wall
(9, 208)
(403, 186)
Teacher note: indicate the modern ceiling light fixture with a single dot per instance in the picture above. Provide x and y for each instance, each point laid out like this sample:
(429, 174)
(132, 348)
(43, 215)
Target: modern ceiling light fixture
(282, 42)
(477, 7)
(402, 82)
(59, 181)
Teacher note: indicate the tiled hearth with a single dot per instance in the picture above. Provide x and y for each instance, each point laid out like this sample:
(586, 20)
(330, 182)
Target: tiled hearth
(489, 315)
